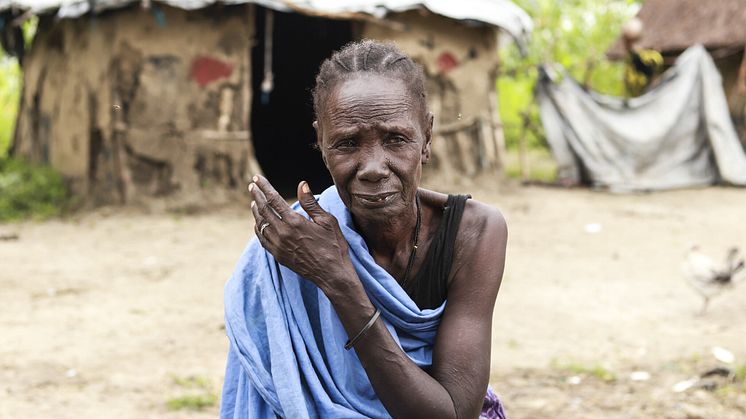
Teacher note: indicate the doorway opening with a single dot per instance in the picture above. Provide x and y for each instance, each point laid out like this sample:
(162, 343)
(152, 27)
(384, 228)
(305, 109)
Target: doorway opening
(281, 120)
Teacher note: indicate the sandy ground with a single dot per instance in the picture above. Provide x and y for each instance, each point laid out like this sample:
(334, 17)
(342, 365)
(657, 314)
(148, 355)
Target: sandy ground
(117, 313)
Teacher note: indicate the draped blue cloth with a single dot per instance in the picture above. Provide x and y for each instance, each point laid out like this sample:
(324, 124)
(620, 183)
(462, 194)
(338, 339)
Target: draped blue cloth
(287, 353)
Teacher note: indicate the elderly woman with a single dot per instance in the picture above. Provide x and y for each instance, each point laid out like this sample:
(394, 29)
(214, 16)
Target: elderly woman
(375, 298)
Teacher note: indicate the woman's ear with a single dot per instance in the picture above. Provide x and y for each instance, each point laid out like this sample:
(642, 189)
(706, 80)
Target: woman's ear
(428, 138)
(319, 141)
(318, 133)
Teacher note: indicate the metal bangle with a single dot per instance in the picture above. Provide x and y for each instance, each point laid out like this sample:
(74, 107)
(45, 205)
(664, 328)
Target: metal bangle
(351, 342)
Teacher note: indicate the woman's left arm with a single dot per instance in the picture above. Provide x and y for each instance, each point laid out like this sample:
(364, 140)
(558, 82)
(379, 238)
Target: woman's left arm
(461, 358)
(456, 383)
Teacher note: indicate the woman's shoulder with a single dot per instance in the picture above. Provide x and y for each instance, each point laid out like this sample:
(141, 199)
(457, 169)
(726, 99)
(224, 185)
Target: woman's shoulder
(479, 248)
(432, 199)
(483, 233)
(483, 218)
(477, 218)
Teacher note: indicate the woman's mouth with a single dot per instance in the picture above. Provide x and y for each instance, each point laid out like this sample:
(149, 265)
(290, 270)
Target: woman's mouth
(375, 200)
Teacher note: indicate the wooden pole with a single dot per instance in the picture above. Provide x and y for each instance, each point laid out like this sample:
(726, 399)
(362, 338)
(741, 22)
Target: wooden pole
(523, 149)
(252, 165)
(498, 135)
(121, 168)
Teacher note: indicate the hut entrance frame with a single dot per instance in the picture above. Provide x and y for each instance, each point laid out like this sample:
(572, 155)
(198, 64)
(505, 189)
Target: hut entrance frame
(281, 118)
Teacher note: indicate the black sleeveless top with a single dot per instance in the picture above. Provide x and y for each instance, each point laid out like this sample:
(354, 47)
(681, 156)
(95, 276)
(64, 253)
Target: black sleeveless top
(429, 287)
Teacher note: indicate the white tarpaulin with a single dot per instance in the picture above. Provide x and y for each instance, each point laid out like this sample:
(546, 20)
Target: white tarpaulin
(679, 134)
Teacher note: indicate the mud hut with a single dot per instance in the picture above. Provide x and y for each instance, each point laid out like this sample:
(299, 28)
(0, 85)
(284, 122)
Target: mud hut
(137, 98)
(671, 26)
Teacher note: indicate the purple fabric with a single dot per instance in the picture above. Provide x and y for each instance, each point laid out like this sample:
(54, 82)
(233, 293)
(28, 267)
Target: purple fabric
(492, 407)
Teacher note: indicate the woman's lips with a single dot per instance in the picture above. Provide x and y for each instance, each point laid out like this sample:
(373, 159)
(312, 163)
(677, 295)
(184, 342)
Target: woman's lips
(375, 200)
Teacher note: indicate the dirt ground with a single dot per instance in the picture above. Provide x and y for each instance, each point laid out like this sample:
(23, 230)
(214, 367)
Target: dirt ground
(118, 313)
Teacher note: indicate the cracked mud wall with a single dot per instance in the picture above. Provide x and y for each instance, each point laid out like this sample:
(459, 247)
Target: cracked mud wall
(131, 103)
(128, 104)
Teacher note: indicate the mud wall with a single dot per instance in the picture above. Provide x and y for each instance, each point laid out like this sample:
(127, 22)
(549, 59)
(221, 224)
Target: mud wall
(460, 64)
(135, 102)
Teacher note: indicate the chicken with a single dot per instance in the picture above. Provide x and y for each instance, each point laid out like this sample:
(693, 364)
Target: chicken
(706, 277)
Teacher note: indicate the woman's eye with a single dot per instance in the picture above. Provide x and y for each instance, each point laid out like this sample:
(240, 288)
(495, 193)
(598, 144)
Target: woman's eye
(395, 139)
(346, 143)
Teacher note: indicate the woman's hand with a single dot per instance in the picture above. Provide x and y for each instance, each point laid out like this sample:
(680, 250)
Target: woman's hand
(315, 249)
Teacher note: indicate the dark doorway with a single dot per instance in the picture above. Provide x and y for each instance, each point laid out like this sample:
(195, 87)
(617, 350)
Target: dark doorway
(281, 121)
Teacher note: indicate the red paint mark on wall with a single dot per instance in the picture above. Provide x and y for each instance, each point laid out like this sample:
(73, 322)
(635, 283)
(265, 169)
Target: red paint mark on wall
(206, 70)
(446, 62)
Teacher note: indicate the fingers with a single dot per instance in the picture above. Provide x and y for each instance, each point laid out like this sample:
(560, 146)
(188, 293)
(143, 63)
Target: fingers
(258, 219)
(261, 208)
(266, 194)
(308, 202)
(263, 214)
(262, 233)
(259, 203)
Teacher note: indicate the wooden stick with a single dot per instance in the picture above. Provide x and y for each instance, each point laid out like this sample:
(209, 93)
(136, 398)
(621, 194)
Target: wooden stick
(124, 176)
(523, 149)
(455, 126)
(252, 164)
(498, 135)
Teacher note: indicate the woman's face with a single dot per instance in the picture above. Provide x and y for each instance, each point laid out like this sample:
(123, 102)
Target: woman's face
(374, 137)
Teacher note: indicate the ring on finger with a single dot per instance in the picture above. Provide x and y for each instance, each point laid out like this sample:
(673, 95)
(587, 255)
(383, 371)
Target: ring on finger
(263, 226)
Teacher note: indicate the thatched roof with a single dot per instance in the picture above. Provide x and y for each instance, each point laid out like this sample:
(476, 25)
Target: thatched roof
(500, 13)
(672, 26)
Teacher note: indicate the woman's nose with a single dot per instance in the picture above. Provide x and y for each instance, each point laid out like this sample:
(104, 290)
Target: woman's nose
(374, 166)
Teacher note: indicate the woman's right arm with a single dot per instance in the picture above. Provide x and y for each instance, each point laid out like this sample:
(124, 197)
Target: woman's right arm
(457, 381)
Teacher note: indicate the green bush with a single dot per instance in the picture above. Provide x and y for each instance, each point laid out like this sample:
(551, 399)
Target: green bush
(28, 191)
(10, 88)
(10, 80)
(573, 33)
(192, 402)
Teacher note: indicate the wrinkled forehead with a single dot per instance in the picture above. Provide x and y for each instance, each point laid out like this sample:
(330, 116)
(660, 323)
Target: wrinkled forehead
(371, 99)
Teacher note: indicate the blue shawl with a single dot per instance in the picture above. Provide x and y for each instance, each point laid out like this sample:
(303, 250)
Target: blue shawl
(286, 352)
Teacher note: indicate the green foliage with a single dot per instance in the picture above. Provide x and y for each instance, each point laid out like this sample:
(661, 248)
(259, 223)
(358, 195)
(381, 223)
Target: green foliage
(739, 373)
(10, 88)
(30, 191)
(594, 370)
(573, 33)
(192, 381)
(25, 190)
(201, 398)
(541, 165)
(192, 402)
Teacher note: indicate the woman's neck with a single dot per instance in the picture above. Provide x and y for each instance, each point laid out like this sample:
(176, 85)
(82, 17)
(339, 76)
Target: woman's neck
(389, 240)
